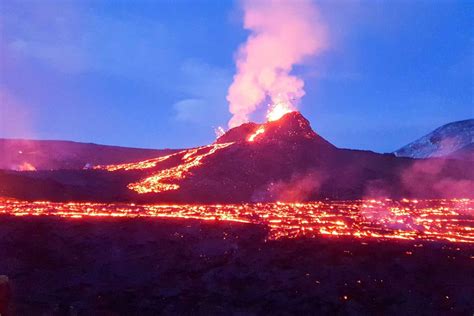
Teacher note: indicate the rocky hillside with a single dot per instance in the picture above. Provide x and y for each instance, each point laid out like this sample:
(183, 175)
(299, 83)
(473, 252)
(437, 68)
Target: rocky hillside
(26, 154)
(443, 141)
(283, 160)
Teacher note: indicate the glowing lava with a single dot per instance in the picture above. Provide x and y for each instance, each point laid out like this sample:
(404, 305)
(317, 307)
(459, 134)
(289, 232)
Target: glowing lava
(430, 220)
(277, 110)
(163, 180)
(259, 131)
(26, 166)
(146, 164)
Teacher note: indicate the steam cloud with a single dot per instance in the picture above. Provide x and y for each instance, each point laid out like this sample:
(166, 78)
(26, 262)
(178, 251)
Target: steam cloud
(283, 33)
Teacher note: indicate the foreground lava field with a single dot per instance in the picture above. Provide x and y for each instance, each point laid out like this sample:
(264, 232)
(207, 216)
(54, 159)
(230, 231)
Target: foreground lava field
(447, 220)
(147, 266)
(330, 257)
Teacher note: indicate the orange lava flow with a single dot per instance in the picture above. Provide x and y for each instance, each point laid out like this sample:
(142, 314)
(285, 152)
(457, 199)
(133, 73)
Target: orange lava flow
(193, 157)
(433, 220)
(146, 164)
(259, 131)
(162, 180)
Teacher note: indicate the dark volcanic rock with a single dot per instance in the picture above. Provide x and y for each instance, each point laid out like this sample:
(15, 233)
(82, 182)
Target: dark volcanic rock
(170, 267)
(20, 154)
(238, 134)
(292, 127)
(4, 295)
(288, 161)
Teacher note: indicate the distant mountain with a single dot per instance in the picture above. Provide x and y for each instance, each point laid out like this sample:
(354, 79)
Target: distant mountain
(24, 154)
(465, 153)
(284, 160)
(444, 141)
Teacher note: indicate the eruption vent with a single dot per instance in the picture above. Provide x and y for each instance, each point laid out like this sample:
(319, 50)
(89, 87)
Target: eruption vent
(282, 34)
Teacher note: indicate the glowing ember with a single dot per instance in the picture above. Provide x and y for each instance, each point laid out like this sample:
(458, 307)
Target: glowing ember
(277, 110)
(146, 164)
(259, 131)
(160, 181)
(432, 220)
(26, 166)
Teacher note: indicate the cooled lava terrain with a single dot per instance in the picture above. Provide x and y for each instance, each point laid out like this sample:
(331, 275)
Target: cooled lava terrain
(150, 266)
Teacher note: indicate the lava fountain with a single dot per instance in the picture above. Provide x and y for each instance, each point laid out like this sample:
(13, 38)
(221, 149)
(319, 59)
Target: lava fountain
(277, 110)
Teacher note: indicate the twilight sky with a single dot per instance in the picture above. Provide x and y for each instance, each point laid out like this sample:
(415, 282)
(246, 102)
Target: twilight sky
(155, 73)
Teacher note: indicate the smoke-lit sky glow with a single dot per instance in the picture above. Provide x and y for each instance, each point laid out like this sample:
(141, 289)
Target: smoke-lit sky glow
(156, 74)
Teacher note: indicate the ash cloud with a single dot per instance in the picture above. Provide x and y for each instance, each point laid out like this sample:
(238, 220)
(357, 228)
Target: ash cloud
(282, 34)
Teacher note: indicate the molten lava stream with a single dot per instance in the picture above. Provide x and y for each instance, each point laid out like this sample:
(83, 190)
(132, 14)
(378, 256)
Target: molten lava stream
(432, 220)
(160, 180)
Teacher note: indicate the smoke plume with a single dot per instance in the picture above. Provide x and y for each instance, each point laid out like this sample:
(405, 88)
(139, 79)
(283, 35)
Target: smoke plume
(283, 33)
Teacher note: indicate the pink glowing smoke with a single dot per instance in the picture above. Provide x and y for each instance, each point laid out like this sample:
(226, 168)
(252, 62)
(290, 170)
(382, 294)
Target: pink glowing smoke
(283, 33)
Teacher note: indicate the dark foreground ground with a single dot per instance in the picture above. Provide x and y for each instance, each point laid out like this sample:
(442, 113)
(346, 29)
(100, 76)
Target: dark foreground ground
(147, 267)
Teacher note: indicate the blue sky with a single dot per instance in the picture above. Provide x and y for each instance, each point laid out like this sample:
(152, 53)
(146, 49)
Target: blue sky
(155, 73)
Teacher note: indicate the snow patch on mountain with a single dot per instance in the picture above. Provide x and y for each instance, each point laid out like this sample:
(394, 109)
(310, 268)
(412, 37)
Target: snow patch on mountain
(443, 141)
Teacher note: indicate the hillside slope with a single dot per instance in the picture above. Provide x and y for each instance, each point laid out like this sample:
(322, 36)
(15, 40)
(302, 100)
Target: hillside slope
(24, 154)
(441, 142)
(283, 160)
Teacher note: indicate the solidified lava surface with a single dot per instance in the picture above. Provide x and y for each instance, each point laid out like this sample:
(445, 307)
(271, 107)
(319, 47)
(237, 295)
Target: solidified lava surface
(149, 266)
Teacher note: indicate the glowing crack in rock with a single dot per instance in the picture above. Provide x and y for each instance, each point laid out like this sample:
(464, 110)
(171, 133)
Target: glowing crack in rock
(259, 131)
(447, 220)
(191, 159)
(146, 164)
(160, 180)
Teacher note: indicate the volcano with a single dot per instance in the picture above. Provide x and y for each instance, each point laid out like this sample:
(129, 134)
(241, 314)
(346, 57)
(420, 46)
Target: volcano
(283, 160)
(292, 127)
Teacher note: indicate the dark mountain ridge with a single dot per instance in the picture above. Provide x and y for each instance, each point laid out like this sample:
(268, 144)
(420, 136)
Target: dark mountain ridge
(26, 154)
(285, 161)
